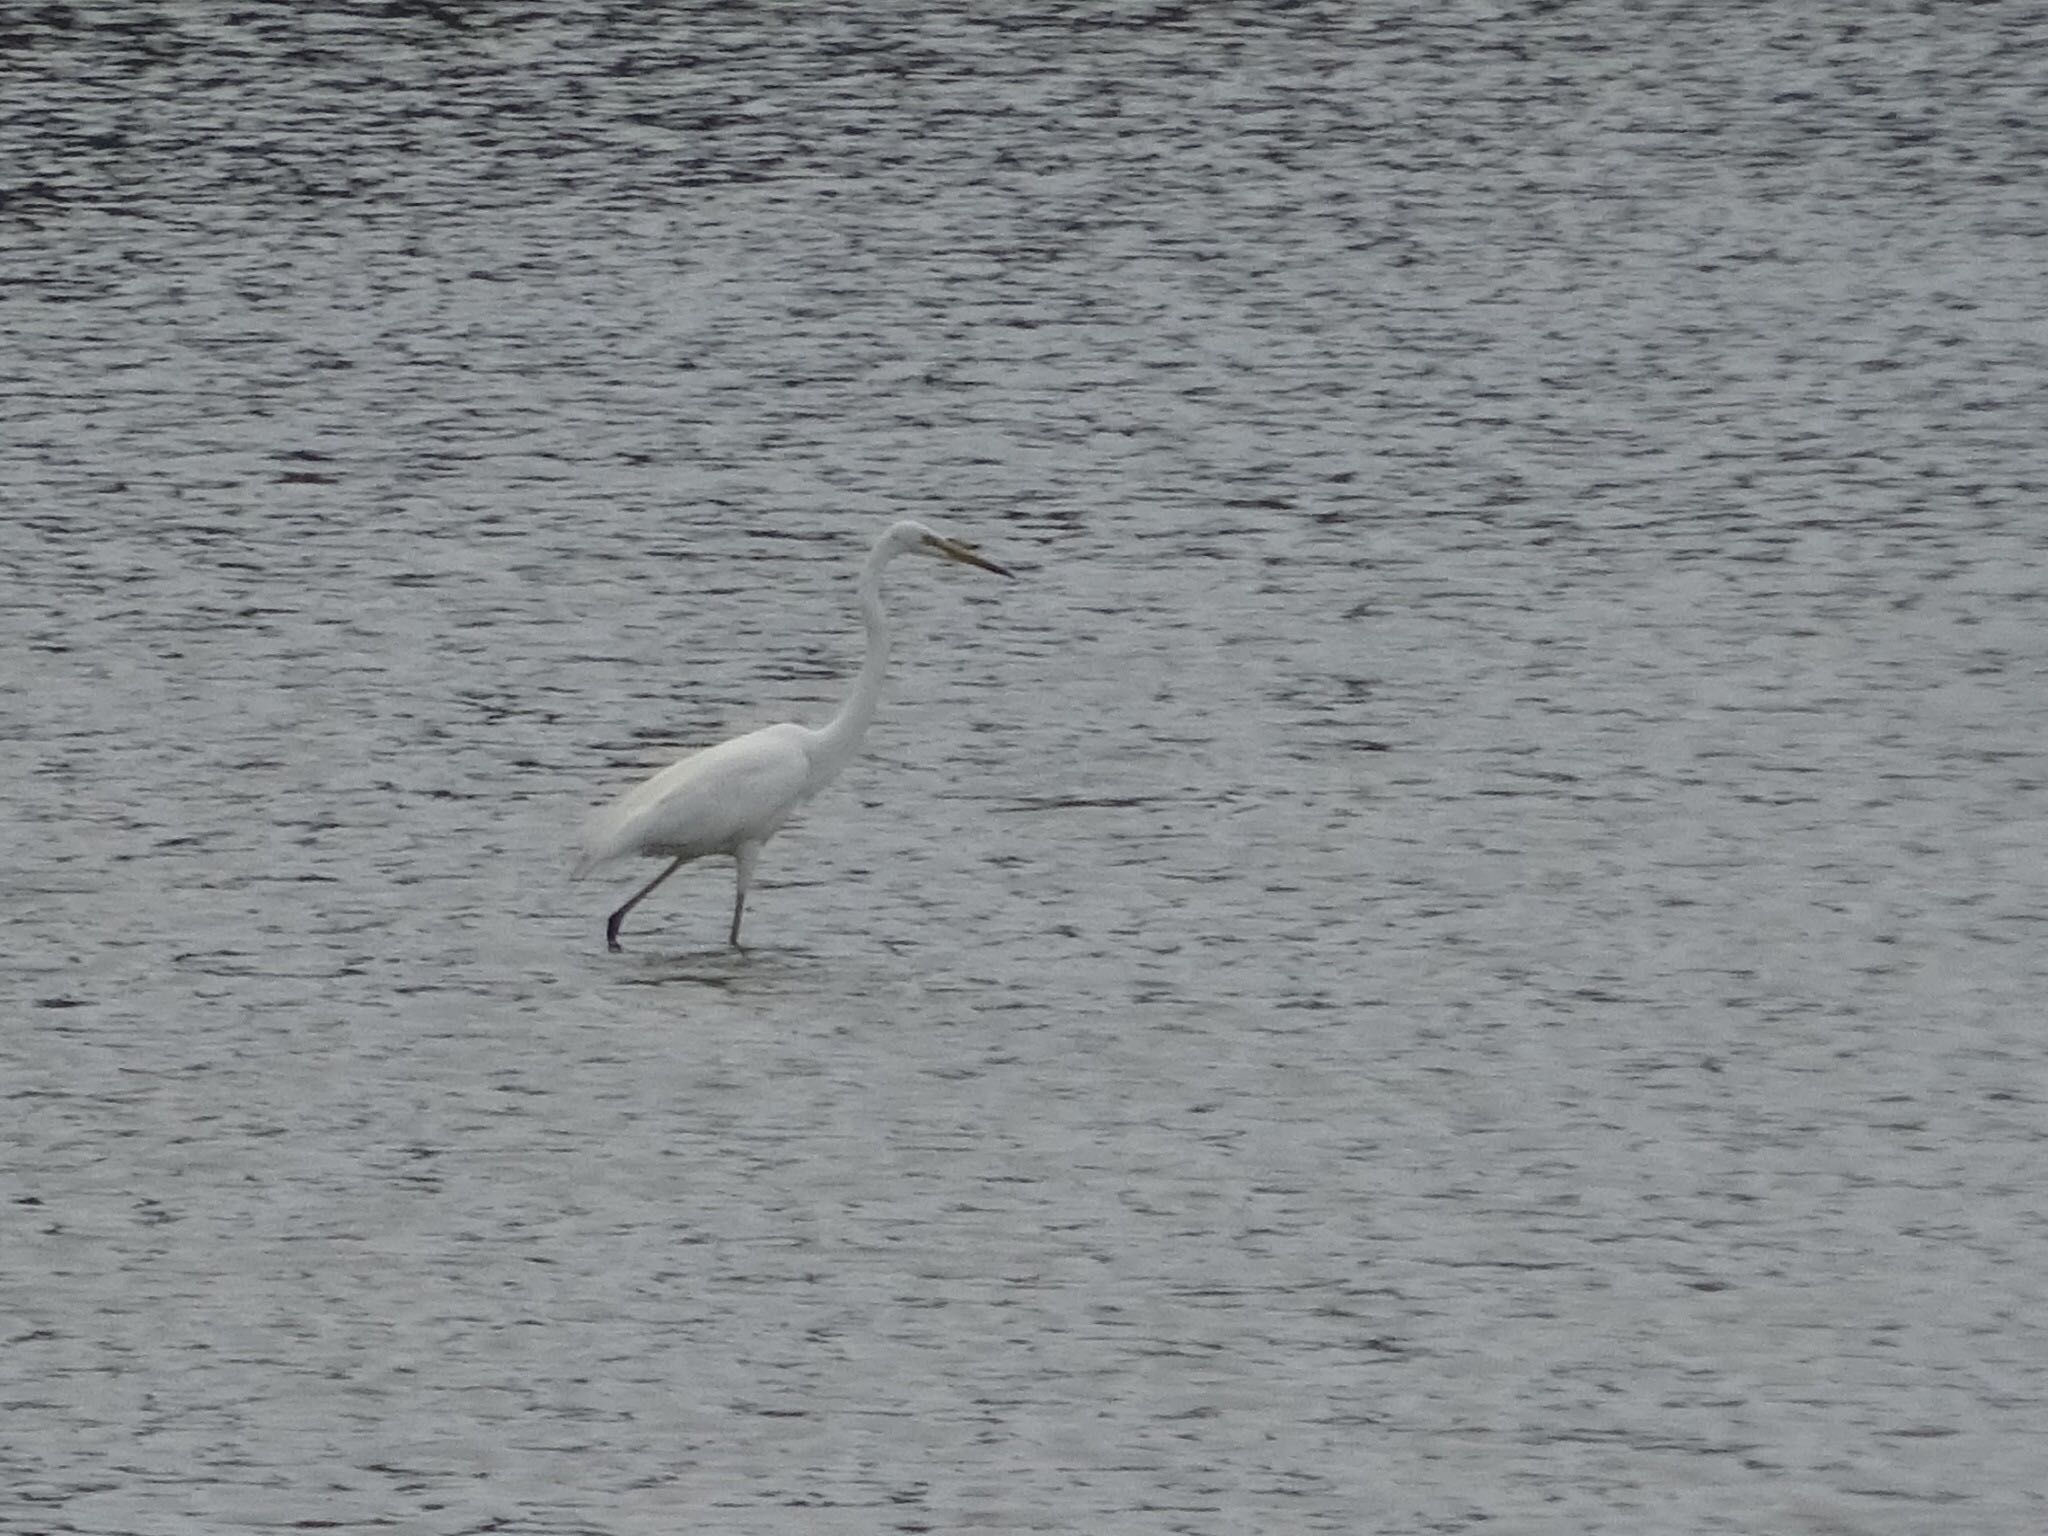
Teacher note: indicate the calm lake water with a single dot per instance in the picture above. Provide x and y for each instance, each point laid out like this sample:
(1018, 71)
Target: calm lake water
(1463, 951)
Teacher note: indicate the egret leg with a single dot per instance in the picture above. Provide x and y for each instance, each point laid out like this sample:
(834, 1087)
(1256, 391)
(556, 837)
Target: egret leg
(743, 861)
(611, 927)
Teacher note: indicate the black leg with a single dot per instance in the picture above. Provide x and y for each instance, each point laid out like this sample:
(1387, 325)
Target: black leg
(742, 877)
(611, 927)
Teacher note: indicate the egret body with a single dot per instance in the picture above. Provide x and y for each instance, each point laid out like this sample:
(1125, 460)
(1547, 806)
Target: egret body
(731, 798)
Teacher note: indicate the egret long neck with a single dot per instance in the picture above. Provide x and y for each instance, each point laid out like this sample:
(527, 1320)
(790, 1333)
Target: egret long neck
(841, 736)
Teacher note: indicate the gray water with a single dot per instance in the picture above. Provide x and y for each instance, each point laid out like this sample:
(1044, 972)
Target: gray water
(1462, 951)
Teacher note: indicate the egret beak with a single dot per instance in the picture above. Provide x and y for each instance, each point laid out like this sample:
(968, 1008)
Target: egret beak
(953, 549)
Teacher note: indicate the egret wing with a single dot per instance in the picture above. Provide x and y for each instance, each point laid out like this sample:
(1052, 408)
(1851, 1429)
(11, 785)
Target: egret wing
(712, 801)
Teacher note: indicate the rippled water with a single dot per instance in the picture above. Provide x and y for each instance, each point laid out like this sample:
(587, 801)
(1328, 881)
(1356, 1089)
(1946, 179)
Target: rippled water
(1461, 952)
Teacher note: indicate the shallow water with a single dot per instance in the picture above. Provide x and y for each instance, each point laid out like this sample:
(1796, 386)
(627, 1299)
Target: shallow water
(1461, 950)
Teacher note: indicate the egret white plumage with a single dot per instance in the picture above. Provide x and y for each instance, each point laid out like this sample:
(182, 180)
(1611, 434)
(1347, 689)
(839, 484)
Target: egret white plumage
(731, 798)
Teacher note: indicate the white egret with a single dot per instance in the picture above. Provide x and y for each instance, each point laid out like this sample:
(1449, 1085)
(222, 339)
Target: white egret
(733, 797)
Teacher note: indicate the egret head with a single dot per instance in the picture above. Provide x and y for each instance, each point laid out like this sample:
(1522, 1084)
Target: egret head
(915, 538)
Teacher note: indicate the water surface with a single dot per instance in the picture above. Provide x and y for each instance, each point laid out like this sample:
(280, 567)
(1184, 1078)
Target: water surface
(1462, 951)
